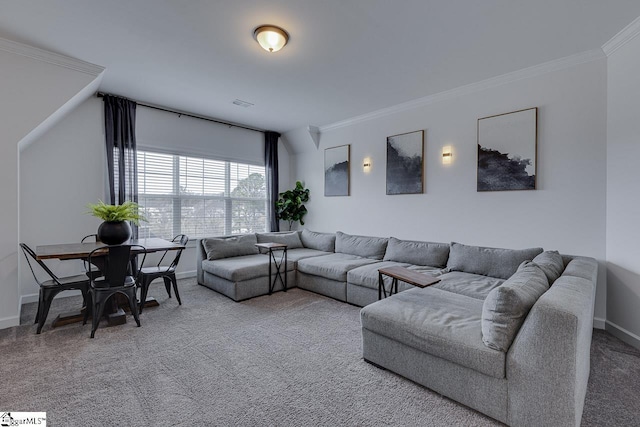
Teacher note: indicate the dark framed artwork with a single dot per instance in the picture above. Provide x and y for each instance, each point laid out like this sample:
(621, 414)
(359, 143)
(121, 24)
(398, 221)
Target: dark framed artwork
(336, 171)
(405, 161)
(507, 151)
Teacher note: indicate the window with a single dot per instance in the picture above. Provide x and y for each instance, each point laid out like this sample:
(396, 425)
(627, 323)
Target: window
(199, 197)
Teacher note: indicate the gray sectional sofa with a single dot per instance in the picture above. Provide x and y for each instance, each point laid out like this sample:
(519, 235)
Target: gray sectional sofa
(506, 332)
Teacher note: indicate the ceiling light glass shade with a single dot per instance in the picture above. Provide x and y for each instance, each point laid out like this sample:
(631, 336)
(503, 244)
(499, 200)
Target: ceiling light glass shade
(271, 38)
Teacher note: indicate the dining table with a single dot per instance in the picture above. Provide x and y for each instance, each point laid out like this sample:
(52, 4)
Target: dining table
(69, 251)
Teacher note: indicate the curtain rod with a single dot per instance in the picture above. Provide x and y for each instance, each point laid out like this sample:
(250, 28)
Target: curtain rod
(180, 113)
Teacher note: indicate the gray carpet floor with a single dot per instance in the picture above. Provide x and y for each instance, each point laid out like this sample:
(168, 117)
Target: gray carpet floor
(289, 359)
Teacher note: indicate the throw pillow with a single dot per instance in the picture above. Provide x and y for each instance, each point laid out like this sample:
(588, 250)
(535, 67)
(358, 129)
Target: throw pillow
(319, 241)
(218, 248)
(492, 262)
(551, 263)
(364, 246)
(506, 306)
(417, 253)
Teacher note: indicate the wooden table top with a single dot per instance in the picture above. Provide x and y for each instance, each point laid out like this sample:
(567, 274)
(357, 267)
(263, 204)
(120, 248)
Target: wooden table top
(271, 245)
(82, 250)
(409, 276)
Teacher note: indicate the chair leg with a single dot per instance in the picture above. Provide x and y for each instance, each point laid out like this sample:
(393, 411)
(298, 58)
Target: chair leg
(167, 285)
(144, 288)
(40, 304)
(47, 298)
(98, 309)
(131, 296)
(175, 287)
(87, 308)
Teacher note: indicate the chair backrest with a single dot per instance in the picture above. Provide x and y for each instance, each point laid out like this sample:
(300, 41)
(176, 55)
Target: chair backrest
(28, 252)
(183, 239)
(116, 262)
(91, 237)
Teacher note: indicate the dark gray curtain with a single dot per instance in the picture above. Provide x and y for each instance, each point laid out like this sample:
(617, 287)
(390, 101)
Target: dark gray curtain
(120, 135)
(271, 166)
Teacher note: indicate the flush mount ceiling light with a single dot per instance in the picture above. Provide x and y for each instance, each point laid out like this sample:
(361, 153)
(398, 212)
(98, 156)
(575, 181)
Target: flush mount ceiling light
(270, 37)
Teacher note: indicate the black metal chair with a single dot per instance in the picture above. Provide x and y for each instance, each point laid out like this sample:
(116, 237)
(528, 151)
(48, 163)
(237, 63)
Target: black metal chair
(115, 262)
(167, 272)
(50, 288)
(95, 273)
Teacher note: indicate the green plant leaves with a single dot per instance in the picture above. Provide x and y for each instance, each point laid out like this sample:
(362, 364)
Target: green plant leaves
(128, 211)
(290, 204)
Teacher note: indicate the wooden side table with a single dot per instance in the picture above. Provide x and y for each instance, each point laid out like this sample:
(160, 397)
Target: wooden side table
(271, 247)
(401, 273)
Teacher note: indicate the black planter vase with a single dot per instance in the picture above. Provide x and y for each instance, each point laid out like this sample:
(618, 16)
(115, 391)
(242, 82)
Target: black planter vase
(114, 232)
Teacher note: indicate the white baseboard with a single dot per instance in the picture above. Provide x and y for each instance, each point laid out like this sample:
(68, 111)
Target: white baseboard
(8, 322)
(599, 323)
(620, 332)
(186, 274)
(26, 299)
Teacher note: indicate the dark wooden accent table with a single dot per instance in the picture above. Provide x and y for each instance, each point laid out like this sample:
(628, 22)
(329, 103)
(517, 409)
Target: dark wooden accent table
(401, 273)
(276, 247)
(81, 251)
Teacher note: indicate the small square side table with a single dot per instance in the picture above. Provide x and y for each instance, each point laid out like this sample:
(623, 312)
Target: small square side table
(271, 247)
(401, 273)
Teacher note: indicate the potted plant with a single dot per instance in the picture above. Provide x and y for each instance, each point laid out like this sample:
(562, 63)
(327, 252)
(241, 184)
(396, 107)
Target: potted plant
(290, 204)
(115, 229)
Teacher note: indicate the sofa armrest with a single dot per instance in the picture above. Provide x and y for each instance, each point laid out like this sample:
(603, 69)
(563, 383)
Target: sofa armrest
(548, 363)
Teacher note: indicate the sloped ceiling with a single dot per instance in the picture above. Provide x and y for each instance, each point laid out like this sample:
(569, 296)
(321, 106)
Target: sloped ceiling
(344, 58)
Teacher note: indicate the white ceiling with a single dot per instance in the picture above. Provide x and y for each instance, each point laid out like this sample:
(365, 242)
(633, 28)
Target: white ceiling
(345, 57)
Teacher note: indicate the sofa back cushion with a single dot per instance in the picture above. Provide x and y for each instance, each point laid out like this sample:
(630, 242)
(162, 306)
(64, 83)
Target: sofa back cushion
(319, 241)
(226, 247)
(417, 253)
(364, 246)
(493, 262)
(291, 239)
(551, 263)
(506, 306)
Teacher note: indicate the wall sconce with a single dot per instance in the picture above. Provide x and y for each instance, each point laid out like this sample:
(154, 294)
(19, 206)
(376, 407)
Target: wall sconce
(366, 166)
(446, 155)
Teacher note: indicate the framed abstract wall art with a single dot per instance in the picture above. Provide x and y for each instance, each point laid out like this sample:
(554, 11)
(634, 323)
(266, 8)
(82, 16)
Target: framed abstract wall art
(336, 171)
(507, 151)
(405, 160)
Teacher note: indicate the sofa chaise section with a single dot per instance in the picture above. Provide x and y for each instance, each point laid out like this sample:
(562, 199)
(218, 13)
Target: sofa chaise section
(434, 336)
(233, 265)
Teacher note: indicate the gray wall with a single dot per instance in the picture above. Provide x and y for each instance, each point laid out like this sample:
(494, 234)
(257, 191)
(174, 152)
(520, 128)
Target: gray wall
(566, 213)
(623, 182)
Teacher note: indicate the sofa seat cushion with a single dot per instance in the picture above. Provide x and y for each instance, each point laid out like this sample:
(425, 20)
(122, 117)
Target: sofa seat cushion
(367, 275)
(437, 322)
(240, 268)
(297, 254)
(332, 266)
(467, 284)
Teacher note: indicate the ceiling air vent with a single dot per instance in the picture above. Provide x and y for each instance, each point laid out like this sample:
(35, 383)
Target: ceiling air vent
(242, 103)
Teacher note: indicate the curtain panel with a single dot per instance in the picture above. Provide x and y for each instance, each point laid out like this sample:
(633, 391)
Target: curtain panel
(271, 170)
(120, 136)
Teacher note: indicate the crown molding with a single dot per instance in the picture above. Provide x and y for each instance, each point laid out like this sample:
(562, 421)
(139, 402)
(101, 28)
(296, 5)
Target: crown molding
(627, 34)
(536, 70)
(50, 57)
